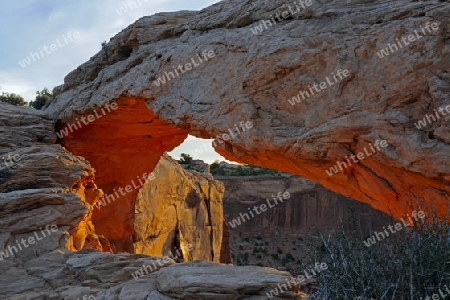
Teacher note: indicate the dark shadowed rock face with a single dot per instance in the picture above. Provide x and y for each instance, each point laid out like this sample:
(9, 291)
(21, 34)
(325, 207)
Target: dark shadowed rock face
(309, 207)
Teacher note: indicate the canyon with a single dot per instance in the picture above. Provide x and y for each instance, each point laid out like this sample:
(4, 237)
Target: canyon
(59, 179)
(309, 207)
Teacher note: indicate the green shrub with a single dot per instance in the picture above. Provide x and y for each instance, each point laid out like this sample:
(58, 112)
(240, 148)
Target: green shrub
(41, 99)
(13, 99)
(185, 159)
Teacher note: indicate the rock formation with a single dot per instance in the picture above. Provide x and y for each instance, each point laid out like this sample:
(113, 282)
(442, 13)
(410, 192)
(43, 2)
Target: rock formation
(47, 199)
(310, 206)
(44, 185)
(65, 275)
(115, 114)
(179, 208)
(244, 76)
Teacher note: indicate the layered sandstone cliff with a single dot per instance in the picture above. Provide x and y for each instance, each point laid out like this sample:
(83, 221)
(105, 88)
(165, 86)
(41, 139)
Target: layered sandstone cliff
(310, 207)
(252, 77)
(178, 209)
(45, 185)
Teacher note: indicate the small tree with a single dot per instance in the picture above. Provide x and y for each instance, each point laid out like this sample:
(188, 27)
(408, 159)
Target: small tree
(185, 159)
(41, 99)
(13, 99)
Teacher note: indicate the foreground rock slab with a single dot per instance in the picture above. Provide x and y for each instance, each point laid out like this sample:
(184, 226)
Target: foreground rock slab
(66, 275)
(204, 281)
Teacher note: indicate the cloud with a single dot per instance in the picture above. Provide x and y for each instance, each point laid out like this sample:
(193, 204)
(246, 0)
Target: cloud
(33, 24)
(30, 25)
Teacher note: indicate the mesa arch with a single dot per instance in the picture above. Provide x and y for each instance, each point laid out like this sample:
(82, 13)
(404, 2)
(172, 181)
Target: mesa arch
(252, 77)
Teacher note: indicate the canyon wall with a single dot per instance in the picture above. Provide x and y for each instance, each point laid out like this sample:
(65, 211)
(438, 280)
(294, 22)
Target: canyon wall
(309, 207)
(252, 77)
(180, 208)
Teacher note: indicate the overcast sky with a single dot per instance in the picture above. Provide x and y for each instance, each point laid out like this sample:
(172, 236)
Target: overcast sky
(30, 25)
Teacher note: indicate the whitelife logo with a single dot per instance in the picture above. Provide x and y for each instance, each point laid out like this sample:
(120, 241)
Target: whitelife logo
(286, 14)
(233, 132)
(263, 207)
(168, 76)
(9, 161)
(398, 226)
(423, 122)
(360, 155)
(86, 120)
(124, 191)
(129, 7)
(411, 38)
(33, 57)
(31, 241)
(320, 87)
(436, 296)
(161, 261)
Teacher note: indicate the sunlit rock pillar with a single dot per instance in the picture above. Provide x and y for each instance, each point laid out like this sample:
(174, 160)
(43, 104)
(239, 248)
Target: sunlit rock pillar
(180, 210)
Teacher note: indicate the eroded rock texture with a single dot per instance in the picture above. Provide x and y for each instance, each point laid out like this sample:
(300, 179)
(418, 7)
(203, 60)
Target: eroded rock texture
(179, 208)
(65, 275)
(252, 77)
(140, 139)
(44, 186)
(49, 194)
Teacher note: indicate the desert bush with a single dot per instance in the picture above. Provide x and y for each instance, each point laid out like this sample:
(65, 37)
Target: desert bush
(41, 99)
(185, 159)
(409, 264)
(13, 99)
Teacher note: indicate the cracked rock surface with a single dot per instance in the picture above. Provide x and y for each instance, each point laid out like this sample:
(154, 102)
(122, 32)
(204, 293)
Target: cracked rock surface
(49, 194)
(253, 77)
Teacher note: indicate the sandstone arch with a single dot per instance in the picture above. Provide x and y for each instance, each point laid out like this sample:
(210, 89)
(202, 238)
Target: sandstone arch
(252, 77)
